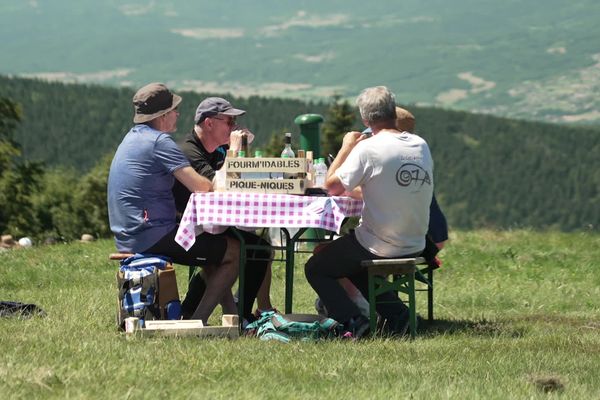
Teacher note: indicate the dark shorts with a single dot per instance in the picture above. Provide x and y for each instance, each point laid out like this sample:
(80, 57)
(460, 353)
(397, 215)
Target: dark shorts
(207, 250)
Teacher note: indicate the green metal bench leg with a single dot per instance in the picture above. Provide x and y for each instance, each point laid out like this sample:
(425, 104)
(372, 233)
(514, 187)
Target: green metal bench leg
(403, 272)
(412, 305)
(372, 312)
(430, 296)
(241, 278)
(241, 284)
(290, 251)
(289, 271)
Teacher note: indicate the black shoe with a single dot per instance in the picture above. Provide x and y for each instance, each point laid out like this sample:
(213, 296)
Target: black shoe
(356, 327)
(398, 324)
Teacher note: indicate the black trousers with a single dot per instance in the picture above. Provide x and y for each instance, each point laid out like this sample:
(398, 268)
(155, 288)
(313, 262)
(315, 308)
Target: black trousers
(208, 249)
(256, 267)
(341, 259)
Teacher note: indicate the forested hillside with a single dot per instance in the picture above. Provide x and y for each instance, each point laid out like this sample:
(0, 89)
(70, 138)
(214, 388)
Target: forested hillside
(74, 125)
(489, 172)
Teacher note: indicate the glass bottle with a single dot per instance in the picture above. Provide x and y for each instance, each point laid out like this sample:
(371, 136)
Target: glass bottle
(244, 150)
(257, 175)
(288, 153)
(287, 150)
(320, 173)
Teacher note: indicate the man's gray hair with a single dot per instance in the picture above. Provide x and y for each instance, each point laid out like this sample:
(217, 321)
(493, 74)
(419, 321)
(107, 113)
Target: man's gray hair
(376, 104)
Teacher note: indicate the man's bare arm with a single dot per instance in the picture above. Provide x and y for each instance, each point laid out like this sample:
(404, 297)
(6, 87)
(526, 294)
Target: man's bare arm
(333, 184)
(192, 180)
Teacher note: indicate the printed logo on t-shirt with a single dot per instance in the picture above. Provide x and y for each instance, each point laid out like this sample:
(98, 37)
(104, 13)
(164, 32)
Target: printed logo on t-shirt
(412, 174)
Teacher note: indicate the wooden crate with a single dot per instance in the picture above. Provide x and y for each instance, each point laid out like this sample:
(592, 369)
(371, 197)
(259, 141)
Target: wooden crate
(240, 174)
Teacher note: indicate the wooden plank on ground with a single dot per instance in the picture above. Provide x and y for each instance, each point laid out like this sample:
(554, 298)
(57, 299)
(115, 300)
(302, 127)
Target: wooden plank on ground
(186, 328)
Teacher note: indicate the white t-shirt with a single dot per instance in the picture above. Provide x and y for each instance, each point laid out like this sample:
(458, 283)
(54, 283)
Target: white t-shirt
(395, 173)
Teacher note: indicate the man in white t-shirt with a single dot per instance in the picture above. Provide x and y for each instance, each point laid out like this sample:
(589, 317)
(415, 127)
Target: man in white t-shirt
(393, 172)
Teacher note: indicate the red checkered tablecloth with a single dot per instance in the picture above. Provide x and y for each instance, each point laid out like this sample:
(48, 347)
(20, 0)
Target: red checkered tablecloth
(215, 211)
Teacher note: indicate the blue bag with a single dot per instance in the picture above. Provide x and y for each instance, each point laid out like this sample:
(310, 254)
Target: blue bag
(137, 281)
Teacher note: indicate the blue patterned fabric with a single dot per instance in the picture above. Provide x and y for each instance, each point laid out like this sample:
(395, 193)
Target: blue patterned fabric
(135, 301)
(139, 283)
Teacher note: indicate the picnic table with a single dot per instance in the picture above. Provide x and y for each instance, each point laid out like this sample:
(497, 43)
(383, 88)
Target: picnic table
(215, 212)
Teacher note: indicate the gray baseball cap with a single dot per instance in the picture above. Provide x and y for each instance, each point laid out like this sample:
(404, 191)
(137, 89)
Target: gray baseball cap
(212, 106)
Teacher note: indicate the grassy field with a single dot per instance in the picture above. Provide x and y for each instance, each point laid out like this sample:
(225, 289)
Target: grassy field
(517, 316)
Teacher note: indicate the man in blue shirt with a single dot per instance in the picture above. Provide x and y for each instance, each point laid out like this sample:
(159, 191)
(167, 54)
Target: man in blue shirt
(141, 207)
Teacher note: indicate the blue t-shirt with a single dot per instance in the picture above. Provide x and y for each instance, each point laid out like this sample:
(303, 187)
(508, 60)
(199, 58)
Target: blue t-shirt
(141, 208)
(438, 226)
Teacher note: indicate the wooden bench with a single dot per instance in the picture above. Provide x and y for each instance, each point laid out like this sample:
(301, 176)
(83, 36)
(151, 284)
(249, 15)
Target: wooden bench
(403, 272)
(119, 256)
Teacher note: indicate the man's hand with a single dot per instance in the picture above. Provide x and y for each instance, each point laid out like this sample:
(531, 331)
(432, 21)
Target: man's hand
(351, 139)
(333, 184)
(235, 139)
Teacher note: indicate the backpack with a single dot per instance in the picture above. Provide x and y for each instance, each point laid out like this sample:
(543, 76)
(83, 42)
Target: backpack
(284, 328)
(147, 289)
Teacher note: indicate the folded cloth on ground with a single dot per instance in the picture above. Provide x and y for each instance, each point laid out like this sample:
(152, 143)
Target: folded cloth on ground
(284, 328)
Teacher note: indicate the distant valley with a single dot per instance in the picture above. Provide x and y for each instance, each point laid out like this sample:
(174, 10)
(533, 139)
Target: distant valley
(528, 59)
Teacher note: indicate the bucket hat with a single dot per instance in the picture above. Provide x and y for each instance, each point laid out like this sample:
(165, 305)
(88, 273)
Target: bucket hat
(152, 101)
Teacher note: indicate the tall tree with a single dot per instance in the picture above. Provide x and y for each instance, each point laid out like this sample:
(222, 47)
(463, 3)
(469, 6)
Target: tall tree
(17, 180)
(275, 145)
(339, 119)
(10, 116)
(90, 200)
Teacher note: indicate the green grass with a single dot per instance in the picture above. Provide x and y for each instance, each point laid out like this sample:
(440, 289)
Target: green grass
(513, 310)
